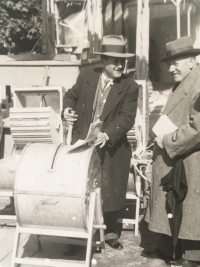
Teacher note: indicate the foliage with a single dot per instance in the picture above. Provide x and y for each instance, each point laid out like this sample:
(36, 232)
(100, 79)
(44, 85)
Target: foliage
(20, 25)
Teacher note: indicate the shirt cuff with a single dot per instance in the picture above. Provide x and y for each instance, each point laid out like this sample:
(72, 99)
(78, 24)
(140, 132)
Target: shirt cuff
(106, 136)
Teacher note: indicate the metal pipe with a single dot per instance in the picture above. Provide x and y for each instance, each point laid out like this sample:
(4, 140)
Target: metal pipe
(178, 19)
(144, 89)
(189, 20)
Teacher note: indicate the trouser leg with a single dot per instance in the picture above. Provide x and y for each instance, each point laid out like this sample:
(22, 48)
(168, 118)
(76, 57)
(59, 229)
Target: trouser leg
(191, 250)
(149, 240)
(110, 220)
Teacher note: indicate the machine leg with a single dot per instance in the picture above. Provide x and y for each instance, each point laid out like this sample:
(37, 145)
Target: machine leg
(90, 228)
(100, 220)
(137, 211)
(16, 246)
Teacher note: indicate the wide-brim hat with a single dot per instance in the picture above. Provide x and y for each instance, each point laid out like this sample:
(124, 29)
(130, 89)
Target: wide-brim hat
(114, 46)
(179, 48)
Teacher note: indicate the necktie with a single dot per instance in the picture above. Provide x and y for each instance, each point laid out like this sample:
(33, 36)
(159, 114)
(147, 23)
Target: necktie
(105, 83)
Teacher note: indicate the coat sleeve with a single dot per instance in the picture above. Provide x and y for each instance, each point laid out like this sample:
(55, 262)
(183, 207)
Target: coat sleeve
(71, 96)
(188, 135)
(125, 118)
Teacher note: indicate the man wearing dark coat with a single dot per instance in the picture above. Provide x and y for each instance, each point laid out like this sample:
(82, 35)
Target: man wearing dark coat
(183, 110)
(109, 95)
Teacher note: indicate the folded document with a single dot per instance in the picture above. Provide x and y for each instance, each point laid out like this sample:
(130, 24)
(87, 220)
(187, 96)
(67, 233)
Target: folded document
(164, 126)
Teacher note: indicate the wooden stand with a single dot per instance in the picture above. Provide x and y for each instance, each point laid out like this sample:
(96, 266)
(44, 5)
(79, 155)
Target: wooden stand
(139, 194)
(94, 208)
(136, 197)
(8, 193)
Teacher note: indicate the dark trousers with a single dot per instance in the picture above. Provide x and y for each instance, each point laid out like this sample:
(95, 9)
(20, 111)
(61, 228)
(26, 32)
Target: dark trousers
(188, 249)
(110, 220)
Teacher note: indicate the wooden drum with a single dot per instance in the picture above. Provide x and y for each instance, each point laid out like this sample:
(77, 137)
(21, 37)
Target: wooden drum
(52, 187)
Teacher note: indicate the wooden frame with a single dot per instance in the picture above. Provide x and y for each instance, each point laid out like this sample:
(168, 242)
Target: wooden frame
(94, 208)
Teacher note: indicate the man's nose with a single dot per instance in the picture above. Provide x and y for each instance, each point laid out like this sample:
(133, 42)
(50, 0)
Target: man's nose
(119, 63)
(171, 68)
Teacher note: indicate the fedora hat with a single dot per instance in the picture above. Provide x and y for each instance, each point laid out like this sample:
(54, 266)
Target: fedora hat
(180, 47)
(113, 46)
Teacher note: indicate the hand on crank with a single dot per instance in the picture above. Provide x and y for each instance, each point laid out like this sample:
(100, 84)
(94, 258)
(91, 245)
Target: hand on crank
(69, 116)
(159, 140)
(101, 140)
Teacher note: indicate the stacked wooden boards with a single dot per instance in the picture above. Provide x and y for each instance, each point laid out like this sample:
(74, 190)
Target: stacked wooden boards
(38, 125)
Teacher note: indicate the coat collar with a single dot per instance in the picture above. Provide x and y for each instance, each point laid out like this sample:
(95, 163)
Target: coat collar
(181, 91)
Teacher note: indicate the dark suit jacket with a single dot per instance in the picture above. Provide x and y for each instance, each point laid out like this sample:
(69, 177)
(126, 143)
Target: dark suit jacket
(118, 117)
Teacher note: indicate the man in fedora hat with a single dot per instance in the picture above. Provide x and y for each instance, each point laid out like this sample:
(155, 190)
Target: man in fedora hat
(109, 95)
(183, 109)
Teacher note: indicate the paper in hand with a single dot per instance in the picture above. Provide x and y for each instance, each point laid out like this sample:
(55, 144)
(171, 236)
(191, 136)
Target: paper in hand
(94, 129)
(164, 126)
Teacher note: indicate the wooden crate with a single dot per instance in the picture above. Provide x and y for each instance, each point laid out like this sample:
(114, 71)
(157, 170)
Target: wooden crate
(36, 116)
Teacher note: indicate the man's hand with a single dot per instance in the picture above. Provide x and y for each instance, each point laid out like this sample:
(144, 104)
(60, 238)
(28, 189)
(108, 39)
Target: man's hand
(101, 140)
(69, 116)
(159, 140)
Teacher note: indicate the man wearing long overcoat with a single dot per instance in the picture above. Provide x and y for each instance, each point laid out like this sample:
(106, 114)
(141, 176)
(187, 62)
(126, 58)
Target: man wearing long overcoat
(116, 107)
(183, 109)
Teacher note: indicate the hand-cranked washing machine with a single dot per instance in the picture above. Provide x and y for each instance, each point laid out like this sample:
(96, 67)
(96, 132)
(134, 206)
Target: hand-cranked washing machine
(57, 193)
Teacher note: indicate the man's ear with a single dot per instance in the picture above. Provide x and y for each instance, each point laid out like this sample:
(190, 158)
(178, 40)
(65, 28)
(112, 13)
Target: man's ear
(192, 62)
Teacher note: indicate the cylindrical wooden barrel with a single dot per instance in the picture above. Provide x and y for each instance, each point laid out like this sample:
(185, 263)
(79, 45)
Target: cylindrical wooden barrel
(52, 187)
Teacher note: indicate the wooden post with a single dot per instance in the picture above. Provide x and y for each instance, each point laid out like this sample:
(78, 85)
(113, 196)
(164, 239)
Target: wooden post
(90, 24)
(178, 18)
(189, 20)
(142, 40)
(44, 38)
(97, 24)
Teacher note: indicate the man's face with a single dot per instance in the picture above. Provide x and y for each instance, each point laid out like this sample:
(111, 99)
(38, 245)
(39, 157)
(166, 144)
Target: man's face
(113, 67)
(180, 68)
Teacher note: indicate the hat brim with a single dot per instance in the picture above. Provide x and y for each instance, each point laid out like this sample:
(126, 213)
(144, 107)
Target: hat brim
(113, 54)
(192, 52)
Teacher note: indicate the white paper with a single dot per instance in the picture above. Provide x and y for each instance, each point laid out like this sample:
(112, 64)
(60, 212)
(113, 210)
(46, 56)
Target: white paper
(164, 126)
(93, 131)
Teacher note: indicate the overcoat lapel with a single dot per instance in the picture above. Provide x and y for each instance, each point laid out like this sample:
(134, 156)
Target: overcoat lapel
(178, 95)
(91, 90)
(175, 98)
(113, 99)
